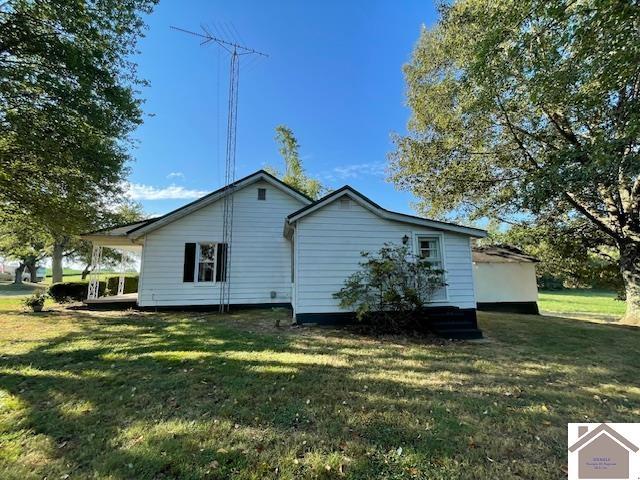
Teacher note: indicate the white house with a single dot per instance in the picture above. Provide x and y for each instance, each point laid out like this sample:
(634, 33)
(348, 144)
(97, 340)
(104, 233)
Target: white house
(505, 279)
(286, 250)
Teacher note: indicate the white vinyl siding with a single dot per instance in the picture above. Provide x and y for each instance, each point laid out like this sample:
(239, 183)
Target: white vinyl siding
(260, 254)
(506, 282)
(328, 246)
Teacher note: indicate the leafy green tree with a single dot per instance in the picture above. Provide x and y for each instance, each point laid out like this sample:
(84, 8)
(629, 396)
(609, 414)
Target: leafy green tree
(24, 241)
(68, 103)
(572, 253)
(294, 173)
(530, 106)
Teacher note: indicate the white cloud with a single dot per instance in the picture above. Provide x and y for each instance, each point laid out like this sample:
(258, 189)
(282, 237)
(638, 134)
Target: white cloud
(176, 175)
(138, 191)
(345, 172)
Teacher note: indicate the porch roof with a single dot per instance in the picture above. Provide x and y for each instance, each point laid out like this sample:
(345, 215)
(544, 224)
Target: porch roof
(117, 236)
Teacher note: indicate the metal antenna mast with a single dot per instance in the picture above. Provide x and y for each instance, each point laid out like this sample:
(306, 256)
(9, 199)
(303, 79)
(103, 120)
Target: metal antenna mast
(235, 50)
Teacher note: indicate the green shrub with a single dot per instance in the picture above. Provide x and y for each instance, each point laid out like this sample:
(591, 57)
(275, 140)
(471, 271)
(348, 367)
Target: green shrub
(391, 289)
(64, 292)
(549, 282)
(130, 285)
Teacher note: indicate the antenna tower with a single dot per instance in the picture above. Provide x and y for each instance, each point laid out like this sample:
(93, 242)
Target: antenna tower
(235, 51)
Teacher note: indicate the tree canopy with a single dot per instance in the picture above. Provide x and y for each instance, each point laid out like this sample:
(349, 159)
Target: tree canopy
(23, 240)
(294, 174)
(530, 107)
(68, 103)
(572, 253)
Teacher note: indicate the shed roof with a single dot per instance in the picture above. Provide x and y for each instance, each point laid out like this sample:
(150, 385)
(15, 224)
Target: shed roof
(501, 254)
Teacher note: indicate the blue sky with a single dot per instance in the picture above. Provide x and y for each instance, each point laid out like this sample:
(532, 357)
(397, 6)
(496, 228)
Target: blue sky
(334, 75)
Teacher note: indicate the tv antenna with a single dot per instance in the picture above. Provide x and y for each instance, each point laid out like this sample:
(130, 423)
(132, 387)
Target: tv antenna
(235, 51)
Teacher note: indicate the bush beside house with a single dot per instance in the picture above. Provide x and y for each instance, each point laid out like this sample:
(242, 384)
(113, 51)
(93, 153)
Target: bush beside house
(130, 285)
(391, 290)
(65, 292)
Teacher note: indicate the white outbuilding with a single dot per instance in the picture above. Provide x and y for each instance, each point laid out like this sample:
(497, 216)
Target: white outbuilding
(505, 279)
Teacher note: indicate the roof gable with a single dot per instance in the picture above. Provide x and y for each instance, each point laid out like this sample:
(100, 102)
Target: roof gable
(370, 205)
(212, 197)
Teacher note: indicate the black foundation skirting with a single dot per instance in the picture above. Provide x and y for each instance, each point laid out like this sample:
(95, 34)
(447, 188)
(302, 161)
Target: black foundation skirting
(530, 308)
(432, 314)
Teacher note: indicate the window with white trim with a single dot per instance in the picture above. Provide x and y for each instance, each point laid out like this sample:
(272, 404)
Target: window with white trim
(429, 249)
(207, 253)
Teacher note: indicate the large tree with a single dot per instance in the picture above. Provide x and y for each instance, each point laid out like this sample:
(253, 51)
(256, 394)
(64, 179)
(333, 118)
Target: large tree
(68, 103)
(530, 106)
(294, 173)
(23, 240)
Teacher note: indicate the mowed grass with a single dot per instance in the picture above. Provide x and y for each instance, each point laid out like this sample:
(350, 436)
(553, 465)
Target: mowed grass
(581, 301)
(12, 296)
(132, 395)
(78, 277)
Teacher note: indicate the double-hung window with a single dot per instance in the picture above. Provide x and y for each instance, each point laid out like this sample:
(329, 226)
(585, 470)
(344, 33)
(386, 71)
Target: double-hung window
(429, 249)
(207, 257)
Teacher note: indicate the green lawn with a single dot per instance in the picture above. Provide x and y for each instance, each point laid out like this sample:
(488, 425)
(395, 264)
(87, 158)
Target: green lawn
(579, 301)
(70, 277)
(65, 271)
(12, 296)
(172, 395)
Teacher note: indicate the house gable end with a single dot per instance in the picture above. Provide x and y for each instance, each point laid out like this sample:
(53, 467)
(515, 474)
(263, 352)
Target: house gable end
(370, 205)
(213, 197)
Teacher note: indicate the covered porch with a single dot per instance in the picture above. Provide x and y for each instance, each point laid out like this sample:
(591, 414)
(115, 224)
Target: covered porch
(114, 255)
(113, 300)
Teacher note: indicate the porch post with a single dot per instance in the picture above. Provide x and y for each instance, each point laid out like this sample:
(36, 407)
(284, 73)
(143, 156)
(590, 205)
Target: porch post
(121, 279)
(94, 276)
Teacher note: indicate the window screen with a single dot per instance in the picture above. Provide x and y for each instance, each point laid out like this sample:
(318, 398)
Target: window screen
(207, 262)
(429, 249)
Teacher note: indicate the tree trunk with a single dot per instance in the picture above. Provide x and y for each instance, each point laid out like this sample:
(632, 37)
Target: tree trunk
(86, 271)
(18, 274)
(56, 262)
(33, 273)
(630, 269)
